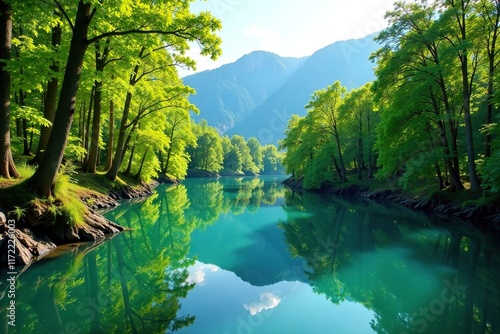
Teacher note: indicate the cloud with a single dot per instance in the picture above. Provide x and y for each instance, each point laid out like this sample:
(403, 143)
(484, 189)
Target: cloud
(197, 272)
(267, 301)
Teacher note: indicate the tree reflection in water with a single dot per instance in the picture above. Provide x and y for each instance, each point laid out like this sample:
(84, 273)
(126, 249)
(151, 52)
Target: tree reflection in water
(360, 251)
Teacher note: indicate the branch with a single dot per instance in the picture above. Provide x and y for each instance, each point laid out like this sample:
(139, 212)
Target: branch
(179, 32)
(65, 14)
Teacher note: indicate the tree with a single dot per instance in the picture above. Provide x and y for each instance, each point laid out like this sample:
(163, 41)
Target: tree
(456, 19)
(247, 163)
(207, 155)
(414, 65)
(270, 159)
(177, 26)
(180, 133)
(7, 167)
(324, 106)
(255, 151)
(358, 115)
(50, 97)
(232, 155)
(489, 13)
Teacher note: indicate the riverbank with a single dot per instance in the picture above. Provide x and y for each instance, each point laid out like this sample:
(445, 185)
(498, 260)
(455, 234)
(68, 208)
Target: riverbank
(38, 227)
(481, 212)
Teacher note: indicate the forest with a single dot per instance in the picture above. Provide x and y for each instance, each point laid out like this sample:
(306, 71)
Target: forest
(429, 118)
(92, 87)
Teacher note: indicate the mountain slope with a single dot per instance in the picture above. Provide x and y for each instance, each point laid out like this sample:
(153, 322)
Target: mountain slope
(257, 94)
(227, 94)
(346, 61)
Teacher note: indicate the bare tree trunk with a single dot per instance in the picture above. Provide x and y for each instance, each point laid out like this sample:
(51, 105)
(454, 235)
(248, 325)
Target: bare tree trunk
(7, 167)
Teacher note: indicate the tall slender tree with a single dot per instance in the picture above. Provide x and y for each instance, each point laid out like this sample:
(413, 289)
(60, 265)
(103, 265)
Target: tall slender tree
(7, 167)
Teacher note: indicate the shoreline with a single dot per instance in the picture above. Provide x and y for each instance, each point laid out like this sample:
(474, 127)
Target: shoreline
(485, 218)
(34, 237)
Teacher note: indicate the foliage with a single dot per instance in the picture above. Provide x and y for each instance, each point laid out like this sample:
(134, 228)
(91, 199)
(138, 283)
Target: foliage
(318, 143)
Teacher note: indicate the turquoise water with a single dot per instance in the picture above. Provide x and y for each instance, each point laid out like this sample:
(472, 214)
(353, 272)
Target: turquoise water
(247, 255)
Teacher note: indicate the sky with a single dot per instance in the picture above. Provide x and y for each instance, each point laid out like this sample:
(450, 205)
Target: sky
(289, 28)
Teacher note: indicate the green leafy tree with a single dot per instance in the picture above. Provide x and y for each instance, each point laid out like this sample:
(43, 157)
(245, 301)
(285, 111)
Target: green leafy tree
(247, 163)
(173, 21)
(270, 159)
(232, 155)
(256, 152)
(180, 133)
(324, 107)
(208, 153)
(358, 115)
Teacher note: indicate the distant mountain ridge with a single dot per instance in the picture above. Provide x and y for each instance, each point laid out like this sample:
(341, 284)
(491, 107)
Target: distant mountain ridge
(257, 94)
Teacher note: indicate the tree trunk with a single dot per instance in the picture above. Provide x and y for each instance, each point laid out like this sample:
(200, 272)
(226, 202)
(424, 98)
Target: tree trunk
(50, 99)
(7, 167)
(475, 184)
(91, 163)
(129, 167)
(101, 59)
(109, 151)
(120, 145)
(86, 139)
(43, 179)
(341, 159)
(138, 175)
(26, 145)
(492, 65)
(450, 163)
(337, 168)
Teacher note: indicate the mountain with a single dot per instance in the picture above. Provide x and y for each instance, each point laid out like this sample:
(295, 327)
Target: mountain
(227, 94)
(256, 95)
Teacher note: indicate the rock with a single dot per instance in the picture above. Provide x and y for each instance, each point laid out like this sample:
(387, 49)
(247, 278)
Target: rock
(3, 223)
(23, 255)
(34, 244)
(97, 227)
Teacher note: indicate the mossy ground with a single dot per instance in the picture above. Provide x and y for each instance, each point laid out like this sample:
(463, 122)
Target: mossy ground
(69, 190)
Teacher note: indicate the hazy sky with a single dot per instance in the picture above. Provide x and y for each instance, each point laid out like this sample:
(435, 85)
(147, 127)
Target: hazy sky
(288, 27)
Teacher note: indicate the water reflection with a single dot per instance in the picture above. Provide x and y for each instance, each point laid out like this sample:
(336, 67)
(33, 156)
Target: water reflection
(247, 255)
(417, 276)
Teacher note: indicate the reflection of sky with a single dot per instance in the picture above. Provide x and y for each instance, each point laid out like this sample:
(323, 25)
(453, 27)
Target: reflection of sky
(268, 300)
(225, 304)
(198, 271)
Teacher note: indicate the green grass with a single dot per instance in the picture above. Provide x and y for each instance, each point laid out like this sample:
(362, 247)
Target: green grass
(66, 204)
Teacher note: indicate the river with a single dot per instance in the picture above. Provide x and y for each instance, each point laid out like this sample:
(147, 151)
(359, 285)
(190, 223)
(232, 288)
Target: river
(248, 255)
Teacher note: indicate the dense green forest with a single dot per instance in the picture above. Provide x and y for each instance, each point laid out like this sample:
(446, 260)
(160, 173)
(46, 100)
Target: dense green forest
(430, 116)
(95, 85)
